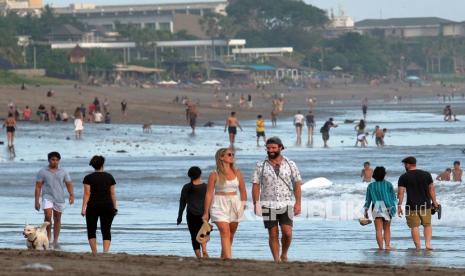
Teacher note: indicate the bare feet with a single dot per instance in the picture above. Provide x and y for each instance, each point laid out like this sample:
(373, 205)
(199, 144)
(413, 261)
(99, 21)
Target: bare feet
(284, 259)
(205, 255)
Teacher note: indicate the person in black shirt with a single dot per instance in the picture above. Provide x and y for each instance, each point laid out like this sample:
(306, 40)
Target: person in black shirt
(193, 195)
(325, 131)
(420, 193)
(99, 200)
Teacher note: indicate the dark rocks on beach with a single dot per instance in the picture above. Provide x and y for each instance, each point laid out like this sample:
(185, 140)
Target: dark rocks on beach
(137, 145)
(2, 143)
(191, 154)
(209, 124)
(67, 138)
(347, 121)
(121, 151)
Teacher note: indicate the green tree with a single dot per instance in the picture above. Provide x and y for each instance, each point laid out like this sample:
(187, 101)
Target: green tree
(364, 54)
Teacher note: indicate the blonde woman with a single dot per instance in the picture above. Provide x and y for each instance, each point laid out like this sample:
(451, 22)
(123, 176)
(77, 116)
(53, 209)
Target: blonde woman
(222, 200)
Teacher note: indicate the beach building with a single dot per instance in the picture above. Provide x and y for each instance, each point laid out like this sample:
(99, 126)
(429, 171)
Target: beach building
(454, 29)
(201, 50)
(404, 27)
(20, 5)
(170, 17)
(339, 25)
(276, 62)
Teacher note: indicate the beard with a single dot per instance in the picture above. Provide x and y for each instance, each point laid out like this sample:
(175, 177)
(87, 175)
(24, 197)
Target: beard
(273, 155)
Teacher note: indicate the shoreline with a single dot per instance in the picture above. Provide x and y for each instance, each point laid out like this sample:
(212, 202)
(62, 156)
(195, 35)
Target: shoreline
(155, 105)
(13, 262)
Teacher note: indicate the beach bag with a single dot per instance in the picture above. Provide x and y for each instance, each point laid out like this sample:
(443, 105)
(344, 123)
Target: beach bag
(203, 236)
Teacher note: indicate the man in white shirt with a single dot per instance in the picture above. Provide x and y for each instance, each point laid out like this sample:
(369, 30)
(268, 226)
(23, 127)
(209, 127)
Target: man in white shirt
(98, 117)
(275, 180)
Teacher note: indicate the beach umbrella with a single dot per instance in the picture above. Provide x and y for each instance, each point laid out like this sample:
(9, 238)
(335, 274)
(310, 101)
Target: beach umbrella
(412, 78)
(211, 82)
(167, 82)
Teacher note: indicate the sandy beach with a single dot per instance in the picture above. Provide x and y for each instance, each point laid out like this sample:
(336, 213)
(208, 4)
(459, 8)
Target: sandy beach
(14, 262)
(155, 105)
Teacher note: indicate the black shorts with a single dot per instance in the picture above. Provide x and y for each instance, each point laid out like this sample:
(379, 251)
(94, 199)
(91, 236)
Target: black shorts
(192, 121)
(260, 133)
(10, 129)
(273, 217)
(325, 136)
(232, 130)
(299, 125)
(379, 141)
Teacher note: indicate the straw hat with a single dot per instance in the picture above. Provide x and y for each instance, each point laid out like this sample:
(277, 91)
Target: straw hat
(364, 221)
(203, 236)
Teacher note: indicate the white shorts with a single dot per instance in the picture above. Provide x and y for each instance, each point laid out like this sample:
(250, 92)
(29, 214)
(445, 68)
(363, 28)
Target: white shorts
(226, 209)
(47, 204)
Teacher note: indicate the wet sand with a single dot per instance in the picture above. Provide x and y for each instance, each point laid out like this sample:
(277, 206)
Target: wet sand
(155, 105)
(14, 262)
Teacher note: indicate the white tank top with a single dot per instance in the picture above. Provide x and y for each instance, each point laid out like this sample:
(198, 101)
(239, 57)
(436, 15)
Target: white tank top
(229, 186)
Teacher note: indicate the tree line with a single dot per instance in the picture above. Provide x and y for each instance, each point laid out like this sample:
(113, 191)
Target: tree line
(263, 23)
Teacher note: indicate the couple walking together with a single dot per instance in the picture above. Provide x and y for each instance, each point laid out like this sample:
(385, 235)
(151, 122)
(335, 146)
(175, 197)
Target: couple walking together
(275, 181)
(420, 205)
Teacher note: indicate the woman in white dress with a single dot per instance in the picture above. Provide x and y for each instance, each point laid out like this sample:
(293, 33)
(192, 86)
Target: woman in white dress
(222, 201)
(78, 123)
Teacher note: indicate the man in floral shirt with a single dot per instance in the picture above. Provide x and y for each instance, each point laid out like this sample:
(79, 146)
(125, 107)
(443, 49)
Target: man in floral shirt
(275, 180)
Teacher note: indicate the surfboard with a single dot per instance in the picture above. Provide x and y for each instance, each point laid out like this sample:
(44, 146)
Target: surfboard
(317, 183)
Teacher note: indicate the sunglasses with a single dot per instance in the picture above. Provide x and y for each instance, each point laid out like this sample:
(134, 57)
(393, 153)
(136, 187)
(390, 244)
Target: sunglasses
(206, 234)
(230, 154)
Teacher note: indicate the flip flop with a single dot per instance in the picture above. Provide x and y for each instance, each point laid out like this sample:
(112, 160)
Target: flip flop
(364, 221)
(437, 210)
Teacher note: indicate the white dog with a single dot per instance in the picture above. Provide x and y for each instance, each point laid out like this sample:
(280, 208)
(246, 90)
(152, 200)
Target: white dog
(36, 237)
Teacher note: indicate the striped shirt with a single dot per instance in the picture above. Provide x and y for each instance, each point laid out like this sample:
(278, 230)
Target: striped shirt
(381, 191)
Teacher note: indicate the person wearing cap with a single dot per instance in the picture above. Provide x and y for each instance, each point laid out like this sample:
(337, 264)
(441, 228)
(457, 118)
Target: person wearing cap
(275, 180)
(421, 196)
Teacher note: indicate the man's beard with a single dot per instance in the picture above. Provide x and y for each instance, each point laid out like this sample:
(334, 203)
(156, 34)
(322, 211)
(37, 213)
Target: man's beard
(273, 155)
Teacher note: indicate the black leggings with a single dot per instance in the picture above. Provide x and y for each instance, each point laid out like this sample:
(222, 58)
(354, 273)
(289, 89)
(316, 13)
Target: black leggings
(106, 214)
(194, 223)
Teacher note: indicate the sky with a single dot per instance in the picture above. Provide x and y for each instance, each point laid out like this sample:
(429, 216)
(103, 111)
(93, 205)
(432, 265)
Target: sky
(358, 9)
